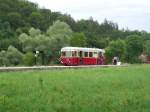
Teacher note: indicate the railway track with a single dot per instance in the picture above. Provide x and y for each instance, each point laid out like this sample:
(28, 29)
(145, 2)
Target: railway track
(5, 69)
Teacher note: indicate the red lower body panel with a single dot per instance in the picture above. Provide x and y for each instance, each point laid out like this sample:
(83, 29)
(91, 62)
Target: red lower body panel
(89, 61)
(69, 61)
(81, 61)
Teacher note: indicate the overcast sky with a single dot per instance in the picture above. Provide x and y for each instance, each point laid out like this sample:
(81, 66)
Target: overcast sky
(134, 14)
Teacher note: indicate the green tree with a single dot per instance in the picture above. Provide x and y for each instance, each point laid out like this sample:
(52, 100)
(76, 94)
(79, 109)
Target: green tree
(14, 56)
(116, 48)
(60, 30)
(108, 26)
(67, 19)
(34, 32)
(147, 47)
(47, 19)
(87, 26)
(24, 40)
(97, 41)
(15, 20)
(78, 40)
(35, 20)
(134, 48)
(60, 35)
(35, 41)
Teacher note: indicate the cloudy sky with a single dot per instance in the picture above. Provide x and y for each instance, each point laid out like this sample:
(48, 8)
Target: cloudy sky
(132, 14)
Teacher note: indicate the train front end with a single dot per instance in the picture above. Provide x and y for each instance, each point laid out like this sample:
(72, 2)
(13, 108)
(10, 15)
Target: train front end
(68, 56)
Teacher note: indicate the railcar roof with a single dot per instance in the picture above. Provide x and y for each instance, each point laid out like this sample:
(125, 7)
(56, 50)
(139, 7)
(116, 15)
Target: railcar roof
(82, 49)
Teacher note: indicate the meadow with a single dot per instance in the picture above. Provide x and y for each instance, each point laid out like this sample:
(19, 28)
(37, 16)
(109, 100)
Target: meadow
(113, 89)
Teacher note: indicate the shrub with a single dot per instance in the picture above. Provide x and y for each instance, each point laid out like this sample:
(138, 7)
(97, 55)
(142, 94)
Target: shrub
(3, 59)
(29, 59)
(14, 56)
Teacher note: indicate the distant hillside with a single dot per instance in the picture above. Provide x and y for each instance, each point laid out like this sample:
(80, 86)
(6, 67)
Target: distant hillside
(17, 16)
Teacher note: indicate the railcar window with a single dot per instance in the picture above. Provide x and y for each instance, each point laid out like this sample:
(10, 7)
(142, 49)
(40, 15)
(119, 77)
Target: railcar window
(74, 53)
(63, 54)
(90, 54)
(85, 54)
(68, 54)
(95, 54)
(80, 54)
(100, 54)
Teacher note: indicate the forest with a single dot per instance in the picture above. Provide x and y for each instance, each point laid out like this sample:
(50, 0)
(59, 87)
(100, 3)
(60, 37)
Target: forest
(26, 28)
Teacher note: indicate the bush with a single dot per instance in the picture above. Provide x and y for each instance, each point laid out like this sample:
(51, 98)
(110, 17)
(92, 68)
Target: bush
(14, 56)
(3, 59)
(29, 59)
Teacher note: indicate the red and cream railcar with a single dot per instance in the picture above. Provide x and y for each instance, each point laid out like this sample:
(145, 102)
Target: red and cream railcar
(82, 56)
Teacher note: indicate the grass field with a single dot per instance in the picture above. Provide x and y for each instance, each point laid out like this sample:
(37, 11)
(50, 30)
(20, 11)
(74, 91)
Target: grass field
(121, 89)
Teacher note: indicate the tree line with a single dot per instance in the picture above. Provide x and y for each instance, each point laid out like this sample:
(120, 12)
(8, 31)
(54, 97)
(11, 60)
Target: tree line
(25, 28)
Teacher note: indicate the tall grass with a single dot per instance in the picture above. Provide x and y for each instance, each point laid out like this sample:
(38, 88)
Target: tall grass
(125, 89)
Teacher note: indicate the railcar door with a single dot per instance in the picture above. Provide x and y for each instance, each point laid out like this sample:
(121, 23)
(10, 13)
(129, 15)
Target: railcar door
(80, 57)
